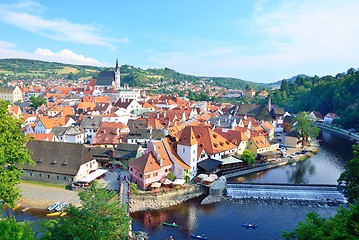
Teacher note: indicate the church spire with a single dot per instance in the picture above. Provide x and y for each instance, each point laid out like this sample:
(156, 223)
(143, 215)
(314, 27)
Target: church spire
(117, 76)
(116, 64)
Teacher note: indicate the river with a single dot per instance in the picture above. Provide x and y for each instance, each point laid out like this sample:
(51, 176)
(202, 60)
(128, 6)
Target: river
(223, 220)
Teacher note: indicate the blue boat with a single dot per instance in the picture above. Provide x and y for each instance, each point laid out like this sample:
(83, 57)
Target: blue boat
(196, 236)
(53, 206)
(249, 225)
(60, 206)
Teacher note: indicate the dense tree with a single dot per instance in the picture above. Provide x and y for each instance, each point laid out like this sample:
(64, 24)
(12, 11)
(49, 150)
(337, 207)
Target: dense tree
(10, 229)
(37, 102)
(13, 154)
(305, 128)
(349, 179)
(100, 217)
(343, 226)
(248, 157)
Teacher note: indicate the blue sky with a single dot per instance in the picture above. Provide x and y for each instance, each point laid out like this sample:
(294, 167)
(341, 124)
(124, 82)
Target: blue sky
(260, 41)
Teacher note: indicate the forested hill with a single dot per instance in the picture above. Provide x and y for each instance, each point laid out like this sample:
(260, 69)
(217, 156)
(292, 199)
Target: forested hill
(339, 95)
(13, 69)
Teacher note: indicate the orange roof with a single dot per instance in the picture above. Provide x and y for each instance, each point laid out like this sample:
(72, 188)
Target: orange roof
(187, 137)
(260, 141)
(208, 140)
(42, 136)
(162, 154)
(170, 147)
(49, 123)
(268, 126)
(146, 163)
(86, 105)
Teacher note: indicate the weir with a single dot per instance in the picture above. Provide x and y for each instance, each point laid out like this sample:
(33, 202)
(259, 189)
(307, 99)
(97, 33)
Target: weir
(305, 192)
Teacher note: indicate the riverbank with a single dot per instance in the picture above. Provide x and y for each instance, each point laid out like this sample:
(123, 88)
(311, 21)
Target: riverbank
(41, 196)
(143, 201)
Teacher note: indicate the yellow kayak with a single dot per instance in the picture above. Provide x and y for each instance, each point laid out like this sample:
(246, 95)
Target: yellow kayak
(54, 214)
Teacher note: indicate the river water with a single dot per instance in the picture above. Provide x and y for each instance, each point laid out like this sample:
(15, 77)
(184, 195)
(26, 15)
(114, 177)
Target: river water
(223, 220)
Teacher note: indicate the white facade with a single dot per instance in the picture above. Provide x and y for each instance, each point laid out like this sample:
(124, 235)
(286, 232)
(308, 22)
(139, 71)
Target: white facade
(189, 155)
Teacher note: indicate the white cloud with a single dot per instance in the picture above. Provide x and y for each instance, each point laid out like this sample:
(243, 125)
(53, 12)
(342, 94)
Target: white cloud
(56, 29)
(4, 44)
(66, 56)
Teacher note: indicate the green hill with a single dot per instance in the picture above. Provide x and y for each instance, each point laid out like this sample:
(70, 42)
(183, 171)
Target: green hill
(14, 69)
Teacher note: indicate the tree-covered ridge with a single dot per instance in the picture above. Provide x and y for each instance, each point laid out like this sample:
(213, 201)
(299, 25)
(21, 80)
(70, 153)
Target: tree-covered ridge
(339, 95)
(14, 69)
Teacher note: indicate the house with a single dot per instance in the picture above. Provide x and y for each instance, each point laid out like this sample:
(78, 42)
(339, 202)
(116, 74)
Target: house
(91, 124)
(287, 123)
(237, 137)
(143, 136)
(110, 134)
(125, 152)
(11, 94)
(70, 134)
(316, 116)
(259, 144)
(43, 137)
(293, 139)
(269, 129)
(130, 105)
(45, 124)
(330, 117)
(150, 167)
(58, 162)
(102, 155)
(196, 143)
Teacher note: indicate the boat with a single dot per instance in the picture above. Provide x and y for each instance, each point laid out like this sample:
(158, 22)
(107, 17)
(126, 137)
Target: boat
(169, 224)
(196, 236)
(60, 206)
(53, 214)
(249, 225)
(53, 206)
(62, 214)
(18, 205)
(25, 209)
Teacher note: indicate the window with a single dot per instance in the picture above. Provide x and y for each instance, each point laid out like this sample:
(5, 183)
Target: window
(148, 175)
(194, 151)
(30, 174)
(39, 174)
(48, 176)
(155, 174)
(183, 150)
(64, 178)
(57, 177)
(140, 175)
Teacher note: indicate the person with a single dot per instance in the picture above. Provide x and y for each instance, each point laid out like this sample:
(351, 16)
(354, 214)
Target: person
(171, 238)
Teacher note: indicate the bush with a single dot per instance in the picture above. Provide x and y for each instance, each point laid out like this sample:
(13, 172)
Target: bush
(133, 187)
(170, 176)
(248, 157)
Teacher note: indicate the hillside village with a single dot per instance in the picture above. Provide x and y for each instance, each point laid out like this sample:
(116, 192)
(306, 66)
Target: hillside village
(101, 124)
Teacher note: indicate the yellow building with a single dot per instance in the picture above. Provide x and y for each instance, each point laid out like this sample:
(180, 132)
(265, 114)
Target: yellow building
(11, 94)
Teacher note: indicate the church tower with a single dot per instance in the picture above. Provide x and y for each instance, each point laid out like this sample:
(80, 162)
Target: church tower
(117, 76)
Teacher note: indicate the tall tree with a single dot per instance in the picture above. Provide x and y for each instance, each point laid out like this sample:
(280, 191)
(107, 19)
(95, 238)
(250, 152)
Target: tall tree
(100, 217)
(305, 127)
(349, 179)
(13, 155)
(248, 157)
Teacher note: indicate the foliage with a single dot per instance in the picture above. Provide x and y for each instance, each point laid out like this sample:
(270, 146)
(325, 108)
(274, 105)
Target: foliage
(33, 69)
(170, 176)
(37, 102)
(10, 229)
(344, 225)
(248, 157)
(133, 187)
(13, 154)
(304, 126)
(339, 95)
(349, 179)
(100, 217)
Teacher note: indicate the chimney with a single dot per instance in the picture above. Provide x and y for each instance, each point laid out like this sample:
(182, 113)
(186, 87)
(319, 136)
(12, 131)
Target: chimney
(269, 104)
(160, 162)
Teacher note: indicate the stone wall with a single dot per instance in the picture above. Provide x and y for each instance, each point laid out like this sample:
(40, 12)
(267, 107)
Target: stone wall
(156, 200)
